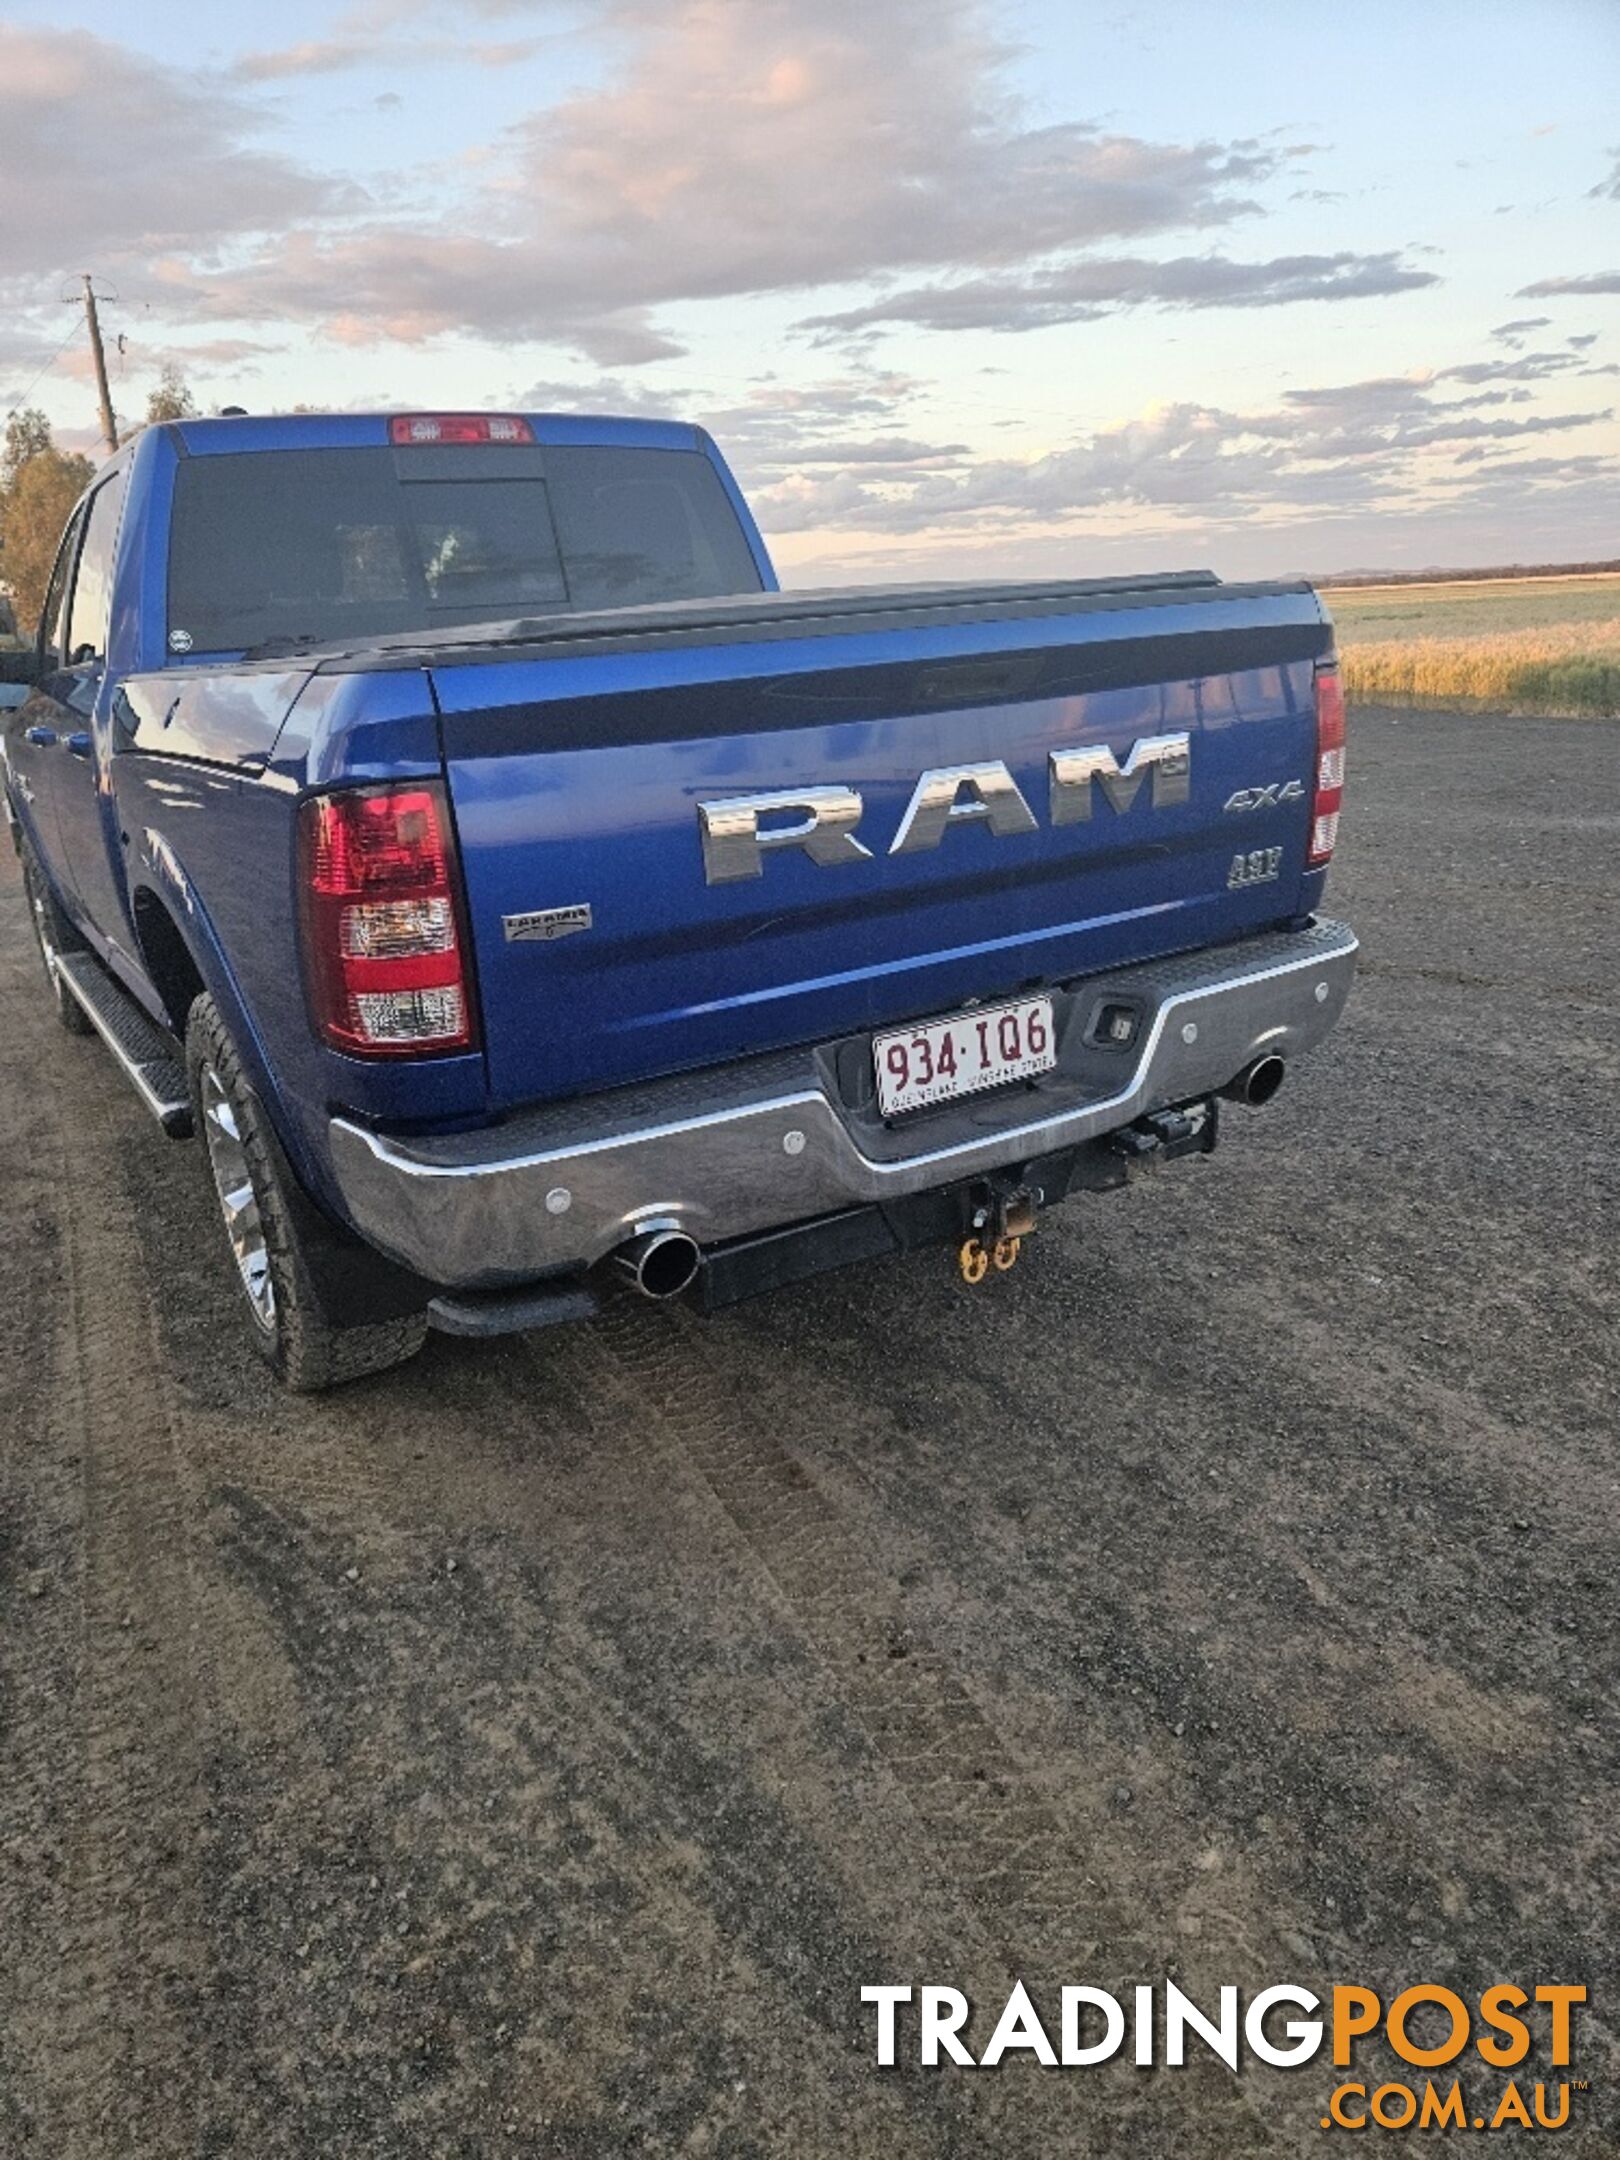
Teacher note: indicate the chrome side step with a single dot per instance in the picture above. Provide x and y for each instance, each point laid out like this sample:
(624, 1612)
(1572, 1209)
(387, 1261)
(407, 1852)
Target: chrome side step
(148, 1059)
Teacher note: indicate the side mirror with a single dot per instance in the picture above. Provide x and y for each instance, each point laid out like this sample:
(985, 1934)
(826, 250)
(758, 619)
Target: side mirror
(20, 665)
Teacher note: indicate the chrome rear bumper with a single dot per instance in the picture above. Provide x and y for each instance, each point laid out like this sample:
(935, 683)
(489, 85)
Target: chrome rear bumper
(771, 1141)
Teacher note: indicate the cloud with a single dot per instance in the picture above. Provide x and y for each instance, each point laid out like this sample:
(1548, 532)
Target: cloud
(1593, 281)
(850, 424)
(1526, 367)
(1509, 333)
(893, 452)
(1081, 291)
(619, 394)
(1334, 446)
(328, 56)
(314, 56)
(214, 353)
(845, 455)
(1609, 186)
(780, 147)
(108, 157)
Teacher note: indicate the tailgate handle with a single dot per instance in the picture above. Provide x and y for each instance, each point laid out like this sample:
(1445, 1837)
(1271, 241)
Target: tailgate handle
(991, 680)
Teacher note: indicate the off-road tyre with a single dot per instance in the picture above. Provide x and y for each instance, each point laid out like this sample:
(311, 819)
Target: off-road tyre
(290, 1326)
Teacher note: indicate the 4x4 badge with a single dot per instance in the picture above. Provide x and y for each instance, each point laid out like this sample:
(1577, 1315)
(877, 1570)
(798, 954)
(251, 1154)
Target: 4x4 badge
(1262, 798)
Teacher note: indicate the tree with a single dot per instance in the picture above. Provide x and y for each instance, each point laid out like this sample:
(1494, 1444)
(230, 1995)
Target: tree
(171, 400)
(27, 433)
(33, 510)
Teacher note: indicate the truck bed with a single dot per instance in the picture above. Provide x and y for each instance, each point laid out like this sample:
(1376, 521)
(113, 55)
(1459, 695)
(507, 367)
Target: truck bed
(579, 749)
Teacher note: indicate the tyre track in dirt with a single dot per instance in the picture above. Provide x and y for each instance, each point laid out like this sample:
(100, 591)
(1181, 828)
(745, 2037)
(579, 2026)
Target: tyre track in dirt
(125, 1948)
(533, 1752)
(991, 1836)
(41, 1524)
(268, 1504)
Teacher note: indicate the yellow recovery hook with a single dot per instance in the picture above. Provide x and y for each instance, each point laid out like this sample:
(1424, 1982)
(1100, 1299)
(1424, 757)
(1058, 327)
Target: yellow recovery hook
(1000, 1226)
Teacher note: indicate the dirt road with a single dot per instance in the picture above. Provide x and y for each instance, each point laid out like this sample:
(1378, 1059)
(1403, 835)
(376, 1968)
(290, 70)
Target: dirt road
(535, 1752)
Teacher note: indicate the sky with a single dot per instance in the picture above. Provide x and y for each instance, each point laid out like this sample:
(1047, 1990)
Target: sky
(963, 288)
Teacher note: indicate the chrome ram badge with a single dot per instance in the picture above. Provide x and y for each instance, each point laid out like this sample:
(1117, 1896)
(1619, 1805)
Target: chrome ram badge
(822, 820)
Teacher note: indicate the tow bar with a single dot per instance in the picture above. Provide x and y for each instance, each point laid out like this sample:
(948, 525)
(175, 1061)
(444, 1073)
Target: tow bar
(1003, 1216)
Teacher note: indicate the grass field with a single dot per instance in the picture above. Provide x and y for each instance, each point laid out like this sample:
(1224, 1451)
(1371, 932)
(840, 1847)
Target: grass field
(1535, 645)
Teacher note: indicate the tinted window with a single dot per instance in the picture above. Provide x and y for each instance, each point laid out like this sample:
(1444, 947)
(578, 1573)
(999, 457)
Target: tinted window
(92, 584)
(642, 525)
(50, 615)
(485, 544)
(334, 544)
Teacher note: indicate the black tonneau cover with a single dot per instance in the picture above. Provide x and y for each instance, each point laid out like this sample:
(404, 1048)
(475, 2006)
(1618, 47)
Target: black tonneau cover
(747, 618)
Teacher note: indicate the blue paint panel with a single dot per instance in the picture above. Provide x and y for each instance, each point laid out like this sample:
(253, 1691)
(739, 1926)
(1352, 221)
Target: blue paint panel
(219, 850)
(676, 972)
(352, 730)
(216, 716)
(358, 431)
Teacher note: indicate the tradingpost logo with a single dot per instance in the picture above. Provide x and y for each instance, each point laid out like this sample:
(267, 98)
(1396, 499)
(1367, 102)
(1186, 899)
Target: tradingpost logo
(1492, 2052)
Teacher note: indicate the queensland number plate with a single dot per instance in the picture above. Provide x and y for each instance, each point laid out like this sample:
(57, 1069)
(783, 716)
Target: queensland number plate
(942, 1059)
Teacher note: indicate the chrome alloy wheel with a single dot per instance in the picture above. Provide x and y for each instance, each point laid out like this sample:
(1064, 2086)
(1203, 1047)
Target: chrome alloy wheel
(239, 1204)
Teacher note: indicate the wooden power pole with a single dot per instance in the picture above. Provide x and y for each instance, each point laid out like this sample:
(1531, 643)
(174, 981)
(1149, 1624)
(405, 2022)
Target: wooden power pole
(109, 432)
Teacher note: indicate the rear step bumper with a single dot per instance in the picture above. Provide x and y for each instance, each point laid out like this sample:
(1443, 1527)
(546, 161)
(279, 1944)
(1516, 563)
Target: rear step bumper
(149, 1060)
(751, 1147)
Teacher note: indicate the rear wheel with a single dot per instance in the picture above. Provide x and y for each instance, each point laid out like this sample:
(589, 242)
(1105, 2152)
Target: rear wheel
(291, 1328)
(54, 935)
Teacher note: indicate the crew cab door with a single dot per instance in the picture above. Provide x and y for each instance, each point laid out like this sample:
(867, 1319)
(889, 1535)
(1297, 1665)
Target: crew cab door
(33, 734)
(78, 695)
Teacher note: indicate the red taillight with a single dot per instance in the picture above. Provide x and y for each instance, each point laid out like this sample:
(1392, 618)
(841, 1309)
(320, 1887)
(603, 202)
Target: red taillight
(1329, 792)
(417, 428)
(383, 931)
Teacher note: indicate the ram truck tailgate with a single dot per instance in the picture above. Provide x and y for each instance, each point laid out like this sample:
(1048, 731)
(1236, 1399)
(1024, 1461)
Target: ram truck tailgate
(691, 834)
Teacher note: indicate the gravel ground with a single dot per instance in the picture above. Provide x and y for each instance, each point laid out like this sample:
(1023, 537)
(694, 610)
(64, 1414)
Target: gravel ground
(535, 1751)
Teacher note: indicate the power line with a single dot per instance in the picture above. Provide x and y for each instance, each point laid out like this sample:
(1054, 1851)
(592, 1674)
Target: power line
(23, 396)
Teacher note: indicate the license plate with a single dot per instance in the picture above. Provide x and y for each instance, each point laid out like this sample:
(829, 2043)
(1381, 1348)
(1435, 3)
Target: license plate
(942, 1059)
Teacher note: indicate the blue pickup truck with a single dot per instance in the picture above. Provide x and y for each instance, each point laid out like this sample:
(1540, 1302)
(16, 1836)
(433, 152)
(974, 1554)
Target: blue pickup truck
(447, 817)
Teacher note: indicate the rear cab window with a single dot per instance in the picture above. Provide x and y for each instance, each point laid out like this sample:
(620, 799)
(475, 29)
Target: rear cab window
(329, 545)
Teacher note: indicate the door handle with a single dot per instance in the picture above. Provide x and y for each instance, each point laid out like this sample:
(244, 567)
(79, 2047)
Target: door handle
(42, 738)
(78, 745)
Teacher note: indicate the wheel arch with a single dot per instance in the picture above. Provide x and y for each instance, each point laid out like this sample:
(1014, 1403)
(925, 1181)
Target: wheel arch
(166, 956)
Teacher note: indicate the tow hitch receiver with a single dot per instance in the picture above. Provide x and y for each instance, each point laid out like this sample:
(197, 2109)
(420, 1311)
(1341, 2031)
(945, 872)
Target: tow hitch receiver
(1190, 1129)
(1003, 1216)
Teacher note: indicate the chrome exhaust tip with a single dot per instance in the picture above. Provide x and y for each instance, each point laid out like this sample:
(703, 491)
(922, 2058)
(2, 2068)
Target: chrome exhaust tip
(659, 1263)
(1257, 1083)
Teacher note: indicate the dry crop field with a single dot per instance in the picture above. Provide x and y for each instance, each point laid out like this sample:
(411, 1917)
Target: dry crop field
(1548, 645)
